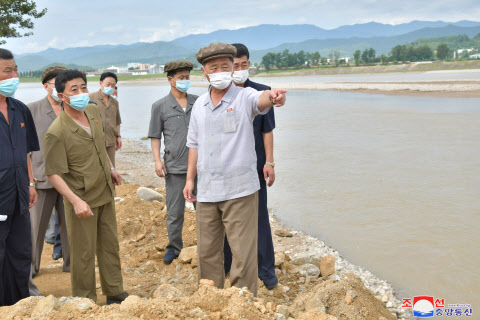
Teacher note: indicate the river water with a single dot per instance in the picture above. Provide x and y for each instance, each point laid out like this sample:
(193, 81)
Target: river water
(392, 182)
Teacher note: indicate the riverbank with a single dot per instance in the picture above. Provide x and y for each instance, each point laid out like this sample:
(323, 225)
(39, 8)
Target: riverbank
(430, 88)
(316, 282)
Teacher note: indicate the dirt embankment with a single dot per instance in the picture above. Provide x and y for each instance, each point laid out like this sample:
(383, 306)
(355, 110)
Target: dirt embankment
(311, 286)
(316, 282)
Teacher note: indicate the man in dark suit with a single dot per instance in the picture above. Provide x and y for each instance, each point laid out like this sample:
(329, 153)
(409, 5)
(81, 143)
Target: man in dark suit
(44, 112)
(18, 137)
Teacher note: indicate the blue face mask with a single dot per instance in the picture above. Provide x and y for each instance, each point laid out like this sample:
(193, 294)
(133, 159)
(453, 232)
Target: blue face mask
(54, 95)
(108, 91)
(114, 97)
(79, 102)
(182, 85)
(8, 87)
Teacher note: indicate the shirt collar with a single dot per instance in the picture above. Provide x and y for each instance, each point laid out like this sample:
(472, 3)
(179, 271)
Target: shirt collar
(227, 97)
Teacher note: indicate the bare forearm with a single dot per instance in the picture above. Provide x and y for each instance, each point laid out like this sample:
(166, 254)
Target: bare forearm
(264, 101)
(268, 143)
(192, 164)
(156, 146)
(30, 170)
(61, 186)
(118, 130)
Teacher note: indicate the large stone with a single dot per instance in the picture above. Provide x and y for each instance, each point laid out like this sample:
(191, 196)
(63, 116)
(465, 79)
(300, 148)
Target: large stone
(131, 304)
(327, 266)
(279, 258)
(305, 257)
(149, 194)
(284, 233)
(167, 291)
(76, 305)
(309, 269)
(187, 254)
(283, 310)
(45, 306)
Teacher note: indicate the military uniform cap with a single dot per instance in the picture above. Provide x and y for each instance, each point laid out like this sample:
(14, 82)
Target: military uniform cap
(52, 72)
(215, 50)
(178, 65)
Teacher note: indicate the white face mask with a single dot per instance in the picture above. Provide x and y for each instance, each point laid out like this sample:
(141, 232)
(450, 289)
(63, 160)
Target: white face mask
(240, 76)
(220, 80)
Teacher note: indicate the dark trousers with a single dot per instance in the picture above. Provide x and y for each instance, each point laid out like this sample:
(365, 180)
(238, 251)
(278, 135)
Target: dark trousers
(15, 258)
(266, 254)
(175, 183)
(57, 246)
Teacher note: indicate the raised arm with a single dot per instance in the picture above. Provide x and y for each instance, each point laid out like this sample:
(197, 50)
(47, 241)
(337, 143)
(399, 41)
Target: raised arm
(270, 98)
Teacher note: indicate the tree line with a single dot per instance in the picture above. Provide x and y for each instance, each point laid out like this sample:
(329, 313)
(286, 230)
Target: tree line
(399, 53)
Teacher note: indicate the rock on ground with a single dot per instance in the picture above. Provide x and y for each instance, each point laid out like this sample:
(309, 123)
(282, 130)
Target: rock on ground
(327, 266)
(149, 195)
(187, 254)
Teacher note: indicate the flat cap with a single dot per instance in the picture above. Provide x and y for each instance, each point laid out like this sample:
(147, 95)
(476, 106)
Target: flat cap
(215, 50)
(178, 65)
(52, 72)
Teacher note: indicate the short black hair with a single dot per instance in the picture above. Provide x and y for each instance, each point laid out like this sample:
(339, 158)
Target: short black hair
(205, 62)
(5, 54)
(65, 76)
(107, 75)
(242, 50)
(116, 88)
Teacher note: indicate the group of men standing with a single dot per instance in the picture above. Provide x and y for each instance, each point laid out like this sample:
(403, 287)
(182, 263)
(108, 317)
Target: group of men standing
(220, 143)
(219, 153)
(69, 170)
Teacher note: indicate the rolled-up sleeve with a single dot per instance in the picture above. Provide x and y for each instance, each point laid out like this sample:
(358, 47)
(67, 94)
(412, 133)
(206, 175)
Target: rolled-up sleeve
(156, 126)
(192, 136)
(55, 155)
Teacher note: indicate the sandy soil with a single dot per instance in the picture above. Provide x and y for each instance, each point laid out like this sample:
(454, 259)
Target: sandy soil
(172, 292)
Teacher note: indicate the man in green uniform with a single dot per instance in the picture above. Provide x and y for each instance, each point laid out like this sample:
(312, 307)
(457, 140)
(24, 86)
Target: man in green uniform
(109, 111)
(170, 118)
(77, 165)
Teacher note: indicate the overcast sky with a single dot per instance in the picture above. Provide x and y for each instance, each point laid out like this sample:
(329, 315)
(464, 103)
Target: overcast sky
(92, 22)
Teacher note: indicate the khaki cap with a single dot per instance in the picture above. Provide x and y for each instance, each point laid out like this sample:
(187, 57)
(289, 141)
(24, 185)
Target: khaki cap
(52, 72)
(178, 65)
(215, 50)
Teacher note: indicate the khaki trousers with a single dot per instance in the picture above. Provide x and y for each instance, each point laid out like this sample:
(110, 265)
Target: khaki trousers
(238, 218)
(87, 236)
(111, 154)
(39, 218)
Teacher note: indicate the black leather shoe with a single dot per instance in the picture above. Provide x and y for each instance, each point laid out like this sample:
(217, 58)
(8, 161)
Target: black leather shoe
(119, 298)
(57, 255)
(169, 257)
(271, 284)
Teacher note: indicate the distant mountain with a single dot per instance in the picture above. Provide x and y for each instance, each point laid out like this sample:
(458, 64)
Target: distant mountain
(382, 45)
(270, 35)
(260, 39)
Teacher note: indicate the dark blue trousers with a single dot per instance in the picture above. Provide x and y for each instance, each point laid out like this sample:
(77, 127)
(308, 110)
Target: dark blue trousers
(266, 254)
(57, 246)
(15, 257)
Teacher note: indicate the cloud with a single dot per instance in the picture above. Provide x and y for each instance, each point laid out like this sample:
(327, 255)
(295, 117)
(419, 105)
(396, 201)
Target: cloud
(121, 22)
